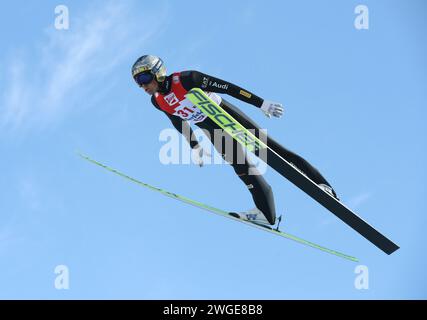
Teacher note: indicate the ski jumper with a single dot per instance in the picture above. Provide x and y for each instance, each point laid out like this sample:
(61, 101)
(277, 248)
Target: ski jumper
(171, 100)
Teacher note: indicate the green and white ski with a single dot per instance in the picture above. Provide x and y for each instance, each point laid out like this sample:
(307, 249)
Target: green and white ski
(222, 212)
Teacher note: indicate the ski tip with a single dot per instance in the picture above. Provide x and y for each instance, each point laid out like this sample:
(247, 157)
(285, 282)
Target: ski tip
(392, 249)
(79, 153)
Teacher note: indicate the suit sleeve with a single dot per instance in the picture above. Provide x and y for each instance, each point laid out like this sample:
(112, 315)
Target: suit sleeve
(196, 79)
(180, 125)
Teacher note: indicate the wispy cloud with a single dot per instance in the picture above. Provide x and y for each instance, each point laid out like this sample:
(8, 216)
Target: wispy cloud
(30, 194)
(353, 203)
(12, 224)
(50, 78)
(359, 199)
(249, 12)
(7, 237)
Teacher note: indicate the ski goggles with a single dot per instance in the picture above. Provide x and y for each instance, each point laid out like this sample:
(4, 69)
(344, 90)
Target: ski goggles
(144, 78)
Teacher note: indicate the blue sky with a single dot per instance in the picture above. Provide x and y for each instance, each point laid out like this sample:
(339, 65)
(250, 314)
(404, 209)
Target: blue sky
(355, 107)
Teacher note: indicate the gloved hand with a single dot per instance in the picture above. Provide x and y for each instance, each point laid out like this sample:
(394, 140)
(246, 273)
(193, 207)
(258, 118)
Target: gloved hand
(197, 154)
(271, 108)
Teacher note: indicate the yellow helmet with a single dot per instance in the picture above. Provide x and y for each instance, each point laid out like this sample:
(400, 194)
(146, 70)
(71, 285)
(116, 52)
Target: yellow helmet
(149, 64)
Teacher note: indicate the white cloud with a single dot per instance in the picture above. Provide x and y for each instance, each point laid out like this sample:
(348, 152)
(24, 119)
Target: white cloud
(30, 194)
(353, 203)
(356, 201)
(16, 96)
(249, 12)
(68, 67)
(6, 235)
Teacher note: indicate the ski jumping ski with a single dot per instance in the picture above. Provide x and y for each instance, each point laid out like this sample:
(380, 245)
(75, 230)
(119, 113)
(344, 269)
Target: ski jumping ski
(223, 213)
(287, 170)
